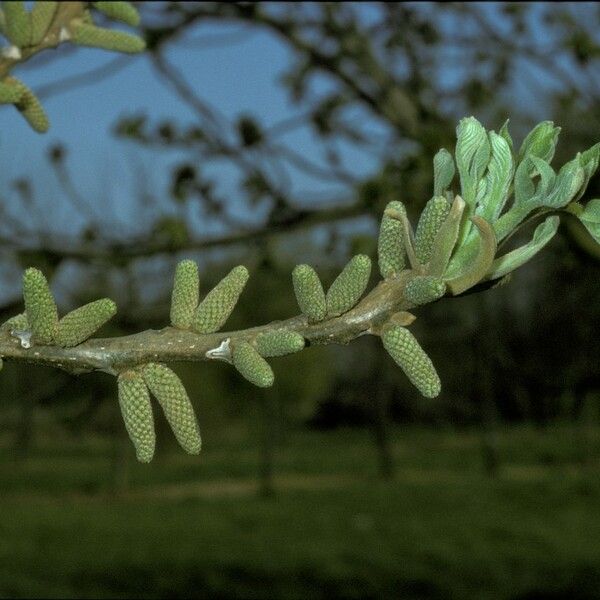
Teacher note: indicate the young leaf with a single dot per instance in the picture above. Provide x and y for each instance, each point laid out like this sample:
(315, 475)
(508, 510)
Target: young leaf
(390, 244)
(590, 217)
(498, 179)
(251, 365)
(544, 232)
(589, 163)
(506, 135)
(523, 185)
(568, 182)
(470, 272)
(402, 346)
(134, 400)
(173, 399)
(445, 239)
(309, 293)
(472, 156)
(349, 285)
(185, 296)
(540, 141)
(547, 177)
(443, 171)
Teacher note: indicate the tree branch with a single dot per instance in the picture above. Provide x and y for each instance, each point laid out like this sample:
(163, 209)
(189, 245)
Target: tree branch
(112, 355)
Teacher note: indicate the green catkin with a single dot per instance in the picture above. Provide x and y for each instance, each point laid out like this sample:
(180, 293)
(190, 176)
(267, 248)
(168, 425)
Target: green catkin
(40, 307)
(279, 343)
(251, 365)
(403, 347)
(390, 245)
(80, 324)
(172, 397)
(186, 290)
(134, 400)
(433, 216)
(29, 106)
(309, 293)
(424, 289)
(42, 15)
(218, 304)
(349, 285)
(97, 37)
(119, 11)
(18, 23)
(17, 323)
(9, 94)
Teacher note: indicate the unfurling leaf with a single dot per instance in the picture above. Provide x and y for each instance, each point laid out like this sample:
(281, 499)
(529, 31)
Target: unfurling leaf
(540, 141)
(80, 324)
(424, 289)
(472, 156)
(445, 240)
(173, 399)
(589, 161)
(568, 182)
(403, 347)
(108, 39)
(219, 303)
(349, 285)
(134, 400)
(432, 218)
(119, 11)
(544, 232)
(186, 290)
(279, 343)
(390, 245)
(18, 23)
(42, 15)
(590, 217)
(443, 171)
(251, 365)
(471, 271)
(503, 131)
(40, 307)
(497, 179)
(309, 293)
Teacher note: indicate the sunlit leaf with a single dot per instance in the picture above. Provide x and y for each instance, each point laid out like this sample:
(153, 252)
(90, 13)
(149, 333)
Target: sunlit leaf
(512, 260)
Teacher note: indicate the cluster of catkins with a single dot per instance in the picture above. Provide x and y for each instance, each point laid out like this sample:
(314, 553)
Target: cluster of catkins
(40, 324)
(29, 30)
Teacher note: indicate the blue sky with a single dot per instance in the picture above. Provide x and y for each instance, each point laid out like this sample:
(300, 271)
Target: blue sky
(236, 78)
